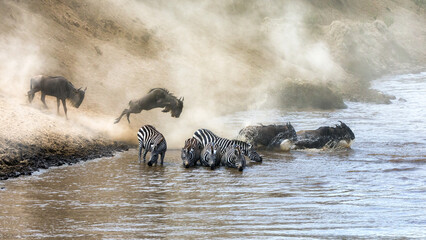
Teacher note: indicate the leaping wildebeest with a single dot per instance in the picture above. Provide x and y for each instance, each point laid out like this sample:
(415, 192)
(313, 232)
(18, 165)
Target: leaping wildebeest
(58, 87)
(156, 98)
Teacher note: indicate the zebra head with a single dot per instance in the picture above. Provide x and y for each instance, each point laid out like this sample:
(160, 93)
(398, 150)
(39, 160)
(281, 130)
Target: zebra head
(190, 153)
(156, 148)
(235, 157)
(211, 155)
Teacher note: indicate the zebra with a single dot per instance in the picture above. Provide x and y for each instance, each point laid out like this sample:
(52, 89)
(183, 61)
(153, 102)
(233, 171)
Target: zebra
(205, 136)
(151, 140)
(191, 152)
(233, 157)
(210, 155)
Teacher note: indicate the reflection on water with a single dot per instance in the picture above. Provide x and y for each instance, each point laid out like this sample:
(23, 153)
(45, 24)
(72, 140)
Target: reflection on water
(376, 189)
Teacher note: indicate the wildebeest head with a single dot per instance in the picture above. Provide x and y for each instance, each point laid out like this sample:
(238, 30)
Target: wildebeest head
(190, 152)
(345, 132)
(176, 110)
(78, 96)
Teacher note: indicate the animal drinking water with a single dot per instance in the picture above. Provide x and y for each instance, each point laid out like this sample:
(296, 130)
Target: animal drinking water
(150, 139)
(58, 87)
(156, 98)
(191, 152)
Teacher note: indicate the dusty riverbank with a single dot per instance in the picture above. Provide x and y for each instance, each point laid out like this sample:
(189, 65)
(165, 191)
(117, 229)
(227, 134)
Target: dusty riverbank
(23, 159)
(32, 138)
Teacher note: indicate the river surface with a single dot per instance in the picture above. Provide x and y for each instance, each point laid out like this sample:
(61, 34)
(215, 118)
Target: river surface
(376, 189)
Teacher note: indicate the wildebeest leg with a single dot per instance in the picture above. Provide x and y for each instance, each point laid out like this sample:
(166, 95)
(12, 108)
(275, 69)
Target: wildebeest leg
(43, 96)
(57, 103)
(65, 107)
(166, 109)
(128, 115)
(125, 111)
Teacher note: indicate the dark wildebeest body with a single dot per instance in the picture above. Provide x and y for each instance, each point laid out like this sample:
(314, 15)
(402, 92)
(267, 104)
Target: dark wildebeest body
(156, 98)
(58, 87)
(329, 137)
(269, 136)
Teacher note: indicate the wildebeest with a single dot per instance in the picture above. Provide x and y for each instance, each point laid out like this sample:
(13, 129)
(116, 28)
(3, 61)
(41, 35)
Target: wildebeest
(269, 136)
(156, 98)
(191, 152)
(58, 87)
(325, 137)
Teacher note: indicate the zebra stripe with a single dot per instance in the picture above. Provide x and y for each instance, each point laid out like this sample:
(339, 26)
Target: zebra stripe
(210, 155)
(148, 138)
(205, 136)
(233, 157)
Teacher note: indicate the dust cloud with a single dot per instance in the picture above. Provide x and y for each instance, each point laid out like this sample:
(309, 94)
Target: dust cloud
(221, 56)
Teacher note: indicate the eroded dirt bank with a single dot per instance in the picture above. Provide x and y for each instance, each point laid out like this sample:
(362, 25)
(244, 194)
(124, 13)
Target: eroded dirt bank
(32, 138)
(17, 158)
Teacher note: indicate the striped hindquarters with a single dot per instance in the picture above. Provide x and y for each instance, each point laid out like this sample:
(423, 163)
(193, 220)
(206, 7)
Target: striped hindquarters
(148, 136)
(205, 136)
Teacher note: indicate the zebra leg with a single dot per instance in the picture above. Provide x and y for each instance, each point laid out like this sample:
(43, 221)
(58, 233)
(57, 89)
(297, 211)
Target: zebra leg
(145, 151)
(163, 154)
(139, 152)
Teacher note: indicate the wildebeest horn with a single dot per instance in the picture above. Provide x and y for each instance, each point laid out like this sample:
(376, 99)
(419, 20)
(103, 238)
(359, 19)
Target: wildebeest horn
(181, 99)
(85, 89)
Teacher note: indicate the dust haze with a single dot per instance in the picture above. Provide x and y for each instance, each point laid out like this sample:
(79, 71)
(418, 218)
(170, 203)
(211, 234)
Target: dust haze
(221, 56)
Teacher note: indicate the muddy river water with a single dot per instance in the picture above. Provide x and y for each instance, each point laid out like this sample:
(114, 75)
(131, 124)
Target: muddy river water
(376, 189)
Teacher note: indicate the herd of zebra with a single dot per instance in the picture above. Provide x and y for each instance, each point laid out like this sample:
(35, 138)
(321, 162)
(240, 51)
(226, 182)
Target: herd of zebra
(204, 147)
(212, 151)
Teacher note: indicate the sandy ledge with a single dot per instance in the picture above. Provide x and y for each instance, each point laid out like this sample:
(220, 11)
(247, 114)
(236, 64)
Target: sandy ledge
(23, 159)
(33, 138)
